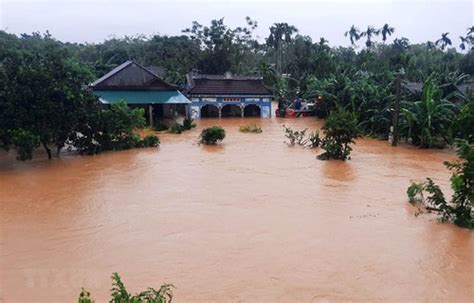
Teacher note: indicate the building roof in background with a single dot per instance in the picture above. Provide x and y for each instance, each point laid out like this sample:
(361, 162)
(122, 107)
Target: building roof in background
(141, 97)
(132, 76)
(417, 87)
(226, 85)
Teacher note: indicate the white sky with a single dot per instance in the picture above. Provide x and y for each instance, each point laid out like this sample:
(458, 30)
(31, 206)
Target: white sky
(96, 20)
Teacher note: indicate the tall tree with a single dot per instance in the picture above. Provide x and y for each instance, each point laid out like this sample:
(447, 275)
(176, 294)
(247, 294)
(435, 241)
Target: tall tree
(370, 33)
(386, 30)
(280, 36)
(353, 33)
(444, 41)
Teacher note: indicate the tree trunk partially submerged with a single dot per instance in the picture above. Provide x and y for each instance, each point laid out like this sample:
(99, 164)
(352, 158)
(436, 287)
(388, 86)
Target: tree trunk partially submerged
(48, 150)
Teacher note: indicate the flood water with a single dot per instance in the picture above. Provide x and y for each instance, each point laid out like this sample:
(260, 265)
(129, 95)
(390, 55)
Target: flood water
(248, 220)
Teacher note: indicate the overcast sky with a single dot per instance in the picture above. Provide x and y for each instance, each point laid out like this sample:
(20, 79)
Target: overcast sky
(96, 20)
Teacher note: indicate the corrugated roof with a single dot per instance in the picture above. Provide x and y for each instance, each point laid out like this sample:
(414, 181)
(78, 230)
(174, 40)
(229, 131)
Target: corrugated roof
(111, 73)
(131, 75)
(142, 97)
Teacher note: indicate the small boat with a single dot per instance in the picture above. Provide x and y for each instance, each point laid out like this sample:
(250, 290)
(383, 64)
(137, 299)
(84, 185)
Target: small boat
(290, 112)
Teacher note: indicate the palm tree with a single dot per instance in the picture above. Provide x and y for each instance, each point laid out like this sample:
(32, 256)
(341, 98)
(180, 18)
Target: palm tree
(468, 40)
(443, 41)
(369, 33)
(353, 33)
(386, 30)
(470, 30)
(280, 34)
(323, 42)
(464, 41)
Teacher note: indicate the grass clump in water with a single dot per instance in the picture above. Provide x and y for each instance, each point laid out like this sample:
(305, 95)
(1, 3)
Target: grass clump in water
(251, 128)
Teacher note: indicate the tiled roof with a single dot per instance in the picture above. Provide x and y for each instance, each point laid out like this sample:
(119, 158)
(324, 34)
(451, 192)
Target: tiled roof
(227, 85)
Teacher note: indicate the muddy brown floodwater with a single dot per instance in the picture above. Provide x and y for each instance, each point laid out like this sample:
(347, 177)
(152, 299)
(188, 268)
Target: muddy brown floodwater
(249, 220)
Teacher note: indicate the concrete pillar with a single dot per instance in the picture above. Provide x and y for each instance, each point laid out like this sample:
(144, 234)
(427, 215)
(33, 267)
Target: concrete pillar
(150, 114)
(219, 108)
(242, 106)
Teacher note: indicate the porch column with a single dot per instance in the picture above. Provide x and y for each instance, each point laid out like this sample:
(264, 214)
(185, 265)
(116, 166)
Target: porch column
(242, 107)
(150, 114)
(219, 108)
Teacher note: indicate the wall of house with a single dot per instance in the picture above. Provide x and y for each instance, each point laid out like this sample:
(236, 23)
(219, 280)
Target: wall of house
(264, 103)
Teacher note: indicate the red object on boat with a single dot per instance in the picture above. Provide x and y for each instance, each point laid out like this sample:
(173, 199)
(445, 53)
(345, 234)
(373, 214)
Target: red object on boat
(292, 113)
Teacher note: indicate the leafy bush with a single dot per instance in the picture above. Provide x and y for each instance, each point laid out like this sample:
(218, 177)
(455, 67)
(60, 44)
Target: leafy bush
(188, 123)
(459, 209)
(340, 131)
(159, 125)
(85, 297)
(295, 136)
(126, 142)
(211, 135)
(25, 142)
(120, 294)
(176, 128)
(251, 128)
(314, 140)
(428, 120)
(149, 141)
(463, 126)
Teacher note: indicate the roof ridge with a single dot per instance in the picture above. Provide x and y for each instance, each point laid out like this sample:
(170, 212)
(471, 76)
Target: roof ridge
(112, 72)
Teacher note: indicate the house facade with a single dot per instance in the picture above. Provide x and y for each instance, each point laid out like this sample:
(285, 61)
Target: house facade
(228, 96)
(140, 86)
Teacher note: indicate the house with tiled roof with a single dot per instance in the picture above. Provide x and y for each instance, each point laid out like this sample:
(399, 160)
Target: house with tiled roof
(143, 87)
(228, 96)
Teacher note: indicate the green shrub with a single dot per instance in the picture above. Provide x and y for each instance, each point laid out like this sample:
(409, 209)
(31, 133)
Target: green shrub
(251, 128)
(120, 294)
(176, 128)
(459, 209)
(211, 135)
(149, 141)
(340, 131)
(85, 297)
(314, 140)
(295, 136)
(158, 125)
(25, 143)
(188, 123)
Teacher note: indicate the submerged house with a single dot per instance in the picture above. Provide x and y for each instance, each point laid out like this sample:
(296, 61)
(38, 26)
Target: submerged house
(140, 86)
(228, 96)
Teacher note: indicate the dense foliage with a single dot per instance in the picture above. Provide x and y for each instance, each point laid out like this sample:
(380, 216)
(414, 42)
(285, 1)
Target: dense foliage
(212, 135)
(42, 102)
(120, 294)
(340, 130)
(459, 209)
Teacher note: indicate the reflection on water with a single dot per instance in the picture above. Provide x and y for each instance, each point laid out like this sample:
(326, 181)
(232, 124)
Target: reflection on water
(248, 220)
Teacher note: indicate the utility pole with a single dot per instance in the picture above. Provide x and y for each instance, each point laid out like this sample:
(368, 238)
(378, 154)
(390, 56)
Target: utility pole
(398, 84)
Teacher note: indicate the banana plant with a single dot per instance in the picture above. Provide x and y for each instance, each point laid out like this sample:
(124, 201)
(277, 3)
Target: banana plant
(429, 119)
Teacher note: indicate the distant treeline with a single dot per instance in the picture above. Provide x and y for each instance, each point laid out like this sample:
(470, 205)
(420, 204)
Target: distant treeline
(42, 100)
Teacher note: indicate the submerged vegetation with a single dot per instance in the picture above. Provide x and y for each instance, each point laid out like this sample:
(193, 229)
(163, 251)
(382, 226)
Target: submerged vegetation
(120, 294)
(212, 135)
(251, 128)
(340, 131)
(459, 208)
(295, 136)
